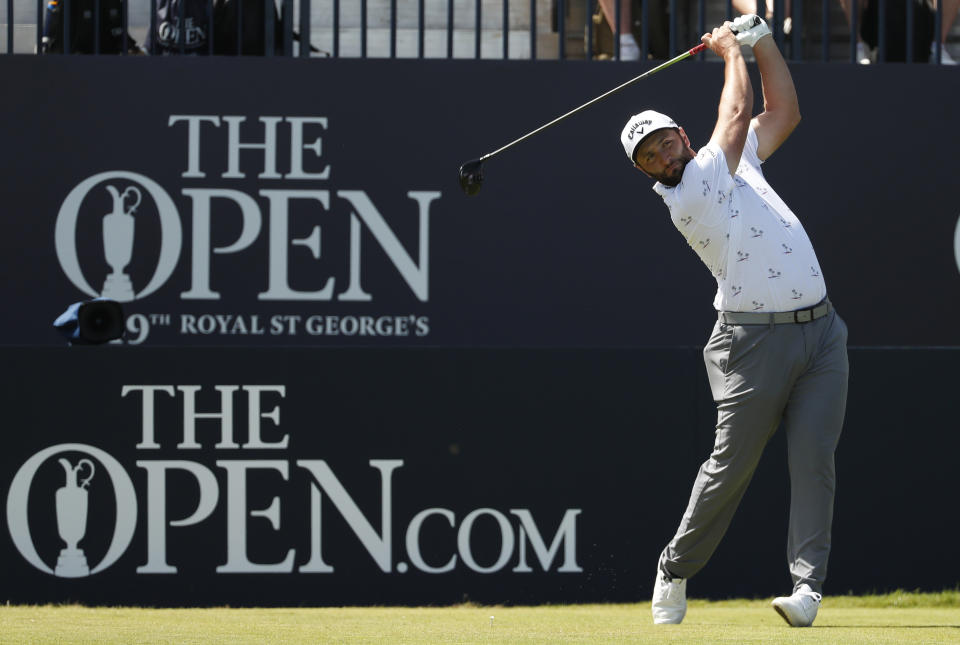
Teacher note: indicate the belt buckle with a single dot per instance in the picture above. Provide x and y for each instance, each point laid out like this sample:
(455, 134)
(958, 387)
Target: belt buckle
(803, 316)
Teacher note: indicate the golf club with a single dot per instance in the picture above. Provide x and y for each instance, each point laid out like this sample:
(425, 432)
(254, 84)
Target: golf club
(471, 173)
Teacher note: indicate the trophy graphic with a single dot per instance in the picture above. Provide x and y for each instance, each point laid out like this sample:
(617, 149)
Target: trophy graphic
(72, 520)
(118, 244)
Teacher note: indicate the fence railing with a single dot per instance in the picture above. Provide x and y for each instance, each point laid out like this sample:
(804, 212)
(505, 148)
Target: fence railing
(898, 30)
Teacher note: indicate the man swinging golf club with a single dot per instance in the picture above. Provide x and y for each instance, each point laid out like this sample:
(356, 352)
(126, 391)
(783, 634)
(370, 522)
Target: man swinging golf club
(778, 350)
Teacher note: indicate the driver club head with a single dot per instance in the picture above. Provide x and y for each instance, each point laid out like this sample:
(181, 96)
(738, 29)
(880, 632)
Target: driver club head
(471, 176)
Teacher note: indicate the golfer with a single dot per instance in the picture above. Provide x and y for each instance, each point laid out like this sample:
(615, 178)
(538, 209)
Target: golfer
(778, 350)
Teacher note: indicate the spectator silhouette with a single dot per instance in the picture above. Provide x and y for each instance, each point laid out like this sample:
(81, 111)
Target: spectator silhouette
(631, 27)
(251, 31)
(629, 50)
(236, 27)
(950, 10)
(83, 28)
(747, 7)
(192, 37)
(924, 20)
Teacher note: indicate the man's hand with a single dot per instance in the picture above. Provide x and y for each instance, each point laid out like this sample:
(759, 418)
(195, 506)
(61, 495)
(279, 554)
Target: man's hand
(722, 41)
(749, 28)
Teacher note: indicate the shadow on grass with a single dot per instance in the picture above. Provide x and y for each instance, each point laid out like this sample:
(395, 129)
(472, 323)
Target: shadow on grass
(886, 626)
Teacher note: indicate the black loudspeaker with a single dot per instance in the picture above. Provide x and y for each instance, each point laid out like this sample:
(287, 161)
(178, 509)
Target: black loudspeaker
(91, 323)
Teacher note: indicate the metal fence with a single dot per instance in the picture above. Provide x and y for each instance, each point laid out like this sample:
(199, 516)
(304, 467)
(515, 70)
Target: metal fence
(528, 29)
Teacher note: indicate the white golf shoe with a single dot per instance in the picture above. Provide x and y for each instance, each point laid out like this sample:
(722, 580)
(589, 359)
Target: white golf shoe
(800, 609)
(669, 599)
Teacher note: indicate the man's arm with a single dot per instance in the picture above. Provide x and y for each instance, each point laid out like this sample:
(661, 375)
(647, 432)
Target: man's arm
(781, 110)
(736, 99)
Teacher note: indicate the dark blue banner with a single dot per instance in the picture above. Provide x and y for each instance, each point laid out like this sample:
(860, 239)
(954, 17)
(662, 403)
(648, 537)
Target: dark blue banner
(315, 203)
(239, 476)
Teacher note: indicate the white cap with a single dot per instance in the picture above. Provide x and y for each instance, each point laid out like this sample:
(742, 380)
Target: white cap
(640, 126)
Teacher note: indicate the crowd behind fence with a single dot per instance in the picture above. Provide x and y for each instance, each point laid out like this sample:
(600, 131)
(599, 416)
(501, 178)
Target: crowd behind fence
(912, 31)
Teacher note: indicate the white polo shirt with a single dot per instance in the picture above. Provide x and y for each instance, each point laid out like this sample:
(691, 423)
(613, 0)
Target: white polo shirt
(752, 243)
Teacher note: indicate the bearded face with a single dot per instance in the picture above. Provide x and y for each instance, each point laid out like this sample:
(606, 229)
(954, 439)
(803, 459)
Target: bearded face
(663, 155)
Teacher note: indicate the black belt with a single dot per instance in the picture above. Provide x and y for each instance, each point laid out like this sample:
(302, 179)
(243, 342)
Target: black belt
(776, 317)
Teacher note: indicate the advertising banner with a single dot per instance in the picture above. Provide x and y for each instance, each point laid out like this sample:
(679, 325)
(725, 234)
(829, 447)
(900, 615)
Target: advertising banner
(315, 203)
(238, 476)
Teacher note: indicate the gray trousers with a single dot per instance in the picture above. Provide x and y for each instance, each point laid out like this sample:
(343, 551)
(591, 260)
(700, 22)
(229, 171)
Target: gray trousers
(760, 376)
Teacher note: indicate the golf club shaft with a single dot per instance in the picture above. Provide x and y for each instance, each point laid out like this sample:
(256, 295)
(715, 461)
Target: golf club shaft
(691, 52)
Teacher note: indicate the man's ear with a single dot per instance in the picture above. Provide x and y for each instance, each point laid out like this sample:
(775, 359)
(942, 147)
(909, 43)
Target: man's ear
(685, 138)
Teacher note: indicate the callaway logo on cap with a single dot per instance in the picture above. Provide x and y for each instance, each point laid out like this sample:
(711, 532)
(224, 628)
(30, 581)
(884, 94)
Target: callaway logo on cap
(641, 126)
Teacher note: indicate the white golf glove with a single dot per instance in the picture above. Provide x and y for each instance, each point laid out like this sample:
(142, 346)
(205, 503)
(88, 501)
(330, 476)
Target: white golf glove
(749, 28)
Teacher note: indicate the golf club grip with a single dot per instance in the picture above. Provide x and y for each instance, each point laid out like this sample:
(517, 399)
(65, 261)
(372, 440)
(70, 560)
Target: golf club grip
(696, 50)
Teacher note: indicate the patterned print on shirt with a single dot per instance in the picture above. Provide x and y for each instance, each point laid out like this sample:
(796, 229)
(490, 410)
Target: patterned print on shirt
(734, 212)
(757, 305)
(773, 274)
(721, 196)
(741, 256)
(786, 249)
(796, 295)
(756, 232)
(706, 187)
(686, 220)
(761, 190)
(735, 290)
(814, 273)
(784, 222)
(704, 243)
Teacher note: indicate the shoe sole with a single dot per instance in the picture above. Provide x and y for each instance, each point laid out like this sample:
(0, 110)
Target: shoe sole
(783, 615)
(786, 619)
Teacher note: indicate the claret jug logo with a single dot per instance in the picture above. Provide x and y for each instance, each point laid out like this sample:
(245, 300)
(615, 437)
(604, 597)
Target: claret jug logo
(118, 231)
(71, 506)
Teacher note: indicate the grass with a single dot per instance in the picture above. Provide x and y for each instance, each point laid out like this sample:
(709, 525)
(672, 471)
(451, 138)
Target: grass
(895, 619)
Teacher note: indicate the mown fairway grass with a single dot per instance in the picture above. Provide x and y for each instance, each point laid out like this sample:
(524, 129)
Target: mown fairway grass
(898, 618)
